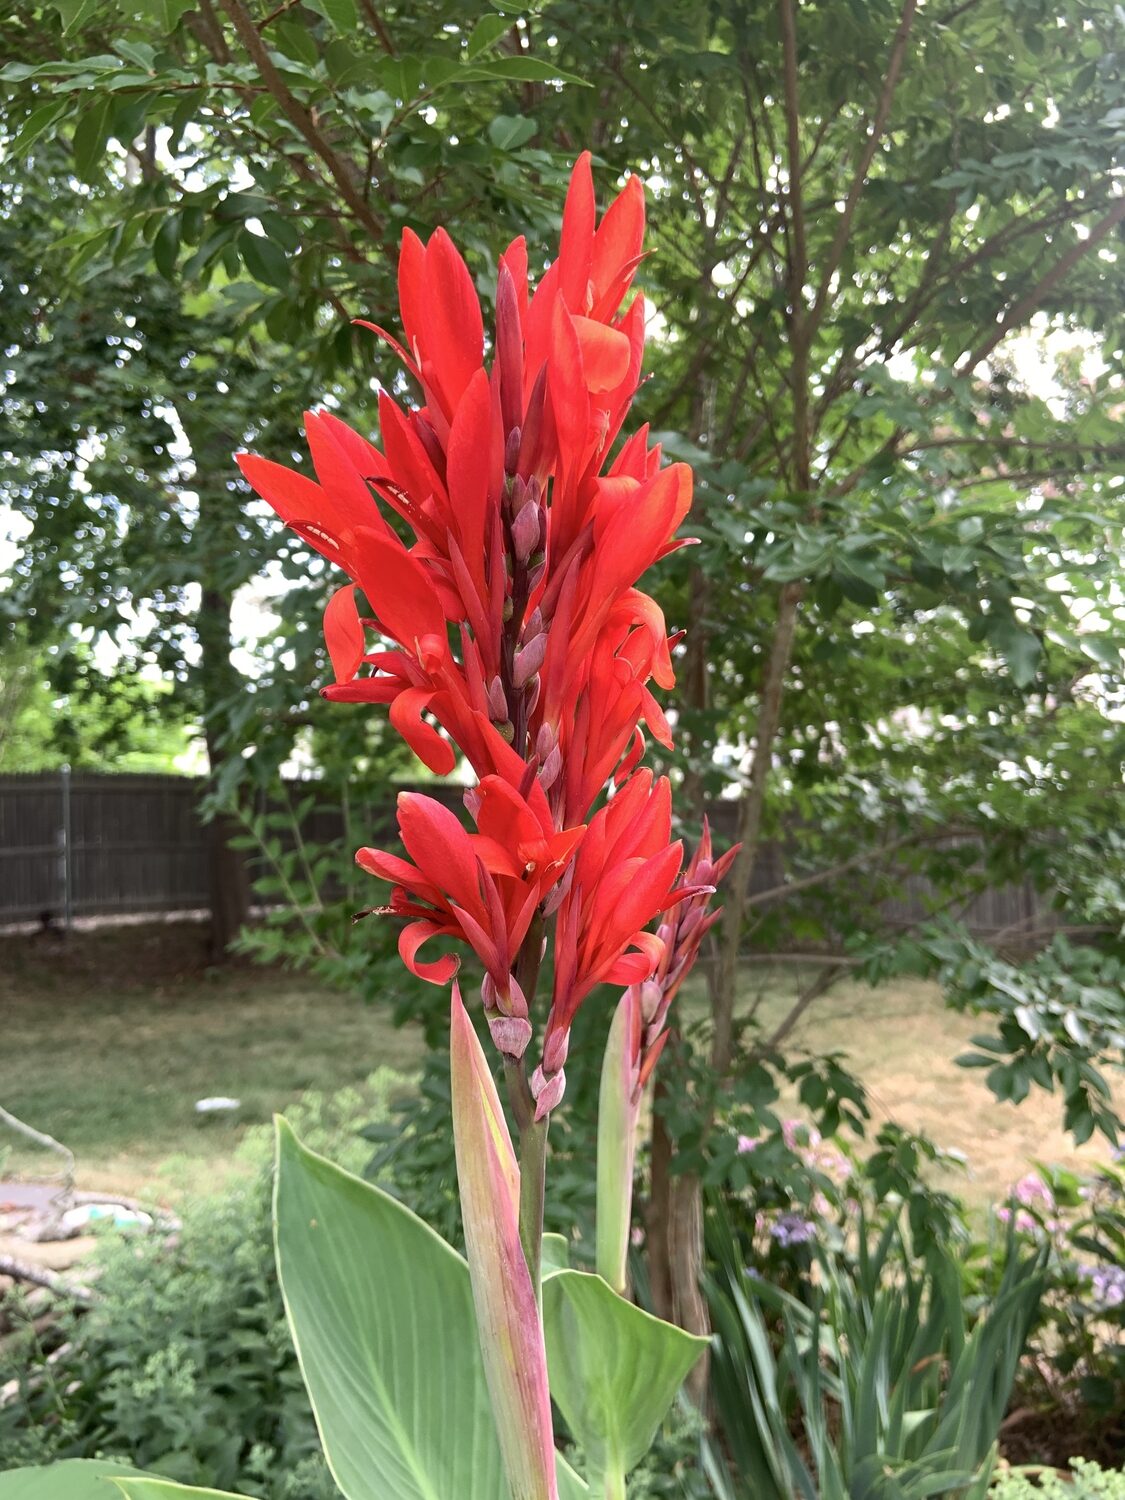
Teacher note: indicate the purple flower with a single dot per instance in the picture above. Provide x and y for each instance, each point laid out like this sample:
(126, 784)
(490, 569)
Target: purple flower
(1107, 1283)
(748, 1143)
(792, 1229)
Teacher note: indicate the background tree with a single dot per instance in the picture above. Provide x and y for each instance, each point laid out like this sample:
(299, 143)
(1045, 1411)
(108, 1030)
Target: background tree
(905, 625)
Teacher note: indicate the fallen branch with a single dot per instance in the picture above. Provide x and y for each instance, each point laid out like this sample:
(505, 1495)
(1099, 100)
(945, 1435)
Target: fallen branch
(61, 1286)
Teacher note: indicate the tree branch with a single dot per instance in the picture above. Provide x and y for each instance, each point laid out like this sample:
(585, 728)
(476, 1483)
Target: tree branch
(859, 177)
(299, 117)
(750, 822)
(1026, 305)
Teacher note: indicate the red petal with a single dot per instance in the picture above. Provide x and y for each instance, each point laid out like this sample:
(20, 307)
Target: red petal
(343, 633)
(605, 354)
(440, 847)
(577, 242)
(411, 938)
(452, 323)
(435, 753)
(411, 297)
(399, 591)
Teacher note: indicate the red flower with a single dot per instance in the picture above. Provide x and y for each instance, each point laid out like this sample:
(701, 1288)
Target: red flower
(509, 625)
(483, 887)
(625, 874)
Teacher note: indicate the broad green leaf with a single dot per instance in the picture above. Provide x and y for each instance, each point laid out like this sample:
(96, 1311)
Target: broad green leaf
(90, 136)
(615, 1370)
(382, 1317)
(36, 123)
(486, 33)
(74, 1479)
(74, 12)
(341, 13)
(166, 246)
(554, 1254)
(165, 1489)
(510, 132)
(525, 69)
(264, 260)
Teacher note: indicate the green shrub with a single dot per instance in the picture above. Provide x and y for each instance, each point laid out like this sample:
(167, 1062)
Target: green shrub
(1088, 1481)
(185, 1365)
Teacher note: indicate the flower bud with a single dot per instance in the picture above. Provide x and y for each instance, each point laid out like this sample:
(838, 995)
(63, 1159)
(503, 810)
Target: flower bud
(529, 659)
(512, 451)
(555, 1050)
(547, 1092)
(651, 996)
(549, 771)
(525, 533)
(497, 699)
(509, 351)
(510, 1033)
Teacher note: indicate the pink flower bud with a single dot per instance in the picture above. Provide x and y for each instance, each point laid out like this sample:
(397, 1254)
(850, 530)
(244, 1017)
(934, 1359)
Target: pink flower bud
(555, 1051)
(651, 996)
(529, 659)
(510, 1033)
(497, 699)
(549, 772)
(512, 451)
(547, 1092)
(525, 532)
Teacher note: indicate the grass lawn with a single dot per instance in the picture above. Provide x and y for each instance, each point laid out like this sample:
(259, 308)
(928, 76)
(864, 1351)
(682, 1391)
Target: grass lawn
(108, 1039)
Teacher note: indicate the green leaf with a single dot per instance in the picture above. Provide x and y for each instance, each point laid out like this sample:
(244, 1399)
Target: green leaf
(164, 1489)
(1019, 647)
(554, 1254)
(486, 33)
(90, 136)
(341, 13)
(510, 132)
(264, 260)
(166, 247)
(382, 1317)
(76, 1479)
(615, 1370)
(74, 12)
(525, 69)
(36, 123)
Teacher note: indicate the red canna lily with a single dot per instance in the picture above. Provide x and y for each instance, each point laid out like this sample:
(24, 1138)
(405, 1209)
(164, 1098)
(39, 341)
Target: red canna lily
(483, 888)
(508, 625)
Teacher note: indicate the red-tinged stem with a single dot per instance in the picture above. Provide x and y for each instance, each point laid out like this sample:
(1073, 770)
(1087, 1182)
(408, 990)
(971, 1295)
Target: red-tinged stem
(533, 1133)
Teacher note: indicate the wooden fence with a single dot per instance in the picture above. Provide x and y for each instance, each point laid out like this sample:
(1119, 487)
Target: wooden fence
(85, 845)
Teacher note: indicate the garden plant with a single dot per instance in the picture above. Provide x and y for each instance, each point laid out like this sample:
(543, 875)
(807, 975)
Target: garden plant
(513, 619)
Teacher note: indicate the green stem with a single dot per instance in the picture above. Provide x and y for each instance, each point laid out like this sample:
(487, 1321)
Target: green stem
(612, 1482)
(533, 1176)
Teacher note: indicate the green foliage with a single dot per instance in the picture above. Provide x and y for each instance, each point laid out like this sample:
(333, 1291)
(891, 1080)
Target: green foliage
(1087, 1481)
(77, 1479)
(1079, 1338)
(185, 1365)
(615, 1370)
(893, 1390)
(369, 1287)
(1058, 1015)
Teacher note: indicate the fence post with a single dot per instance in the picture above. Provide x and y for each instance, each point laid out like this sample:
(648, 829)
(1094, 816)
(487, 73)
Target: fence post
(67, 851)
